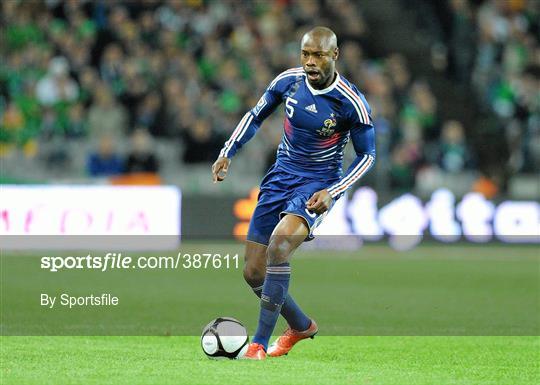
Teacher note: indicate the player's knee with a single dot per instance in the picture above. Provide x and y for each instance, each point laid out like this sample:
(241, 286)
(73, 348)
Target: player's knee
(254, 275)
(278, 250)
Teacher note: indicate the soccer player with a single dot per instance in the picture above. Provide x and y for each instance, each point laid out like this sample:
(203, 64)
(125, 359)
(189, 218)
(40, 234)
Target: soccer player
(323, 111)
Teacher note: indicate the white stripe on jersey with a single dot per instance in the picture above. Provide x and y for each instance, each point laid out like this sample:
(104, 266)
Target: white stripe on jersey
(358, 171)
(245, 128)
(357, 98)
(326, 150)
(237, 129)
(327, 155)
(352, 174)
(284, 74)
(287, 144)
(323, 159)
(355, 104)
(358, 166)
(356, 177)
(238, 132)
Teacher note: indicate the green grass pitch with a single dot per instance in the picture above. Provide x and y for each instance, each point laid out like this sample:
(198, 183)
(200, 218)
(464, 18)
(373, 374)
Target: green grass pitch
(324, 360)
(393, 323)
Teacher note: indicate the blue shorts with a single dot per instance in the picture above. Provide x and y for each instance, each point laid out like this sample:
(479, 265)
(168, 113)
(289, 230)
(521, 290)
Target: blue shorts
(283, 193)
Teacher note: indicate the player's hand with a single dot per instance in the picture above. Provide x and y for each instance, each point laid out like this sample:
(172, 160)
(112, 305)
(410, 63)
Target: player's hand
(220, 168)
(319, 202)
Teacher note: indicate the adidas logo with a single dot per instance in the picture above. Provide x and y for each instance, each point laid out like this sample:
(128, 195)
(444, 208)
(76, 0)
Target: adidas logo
(312, 108)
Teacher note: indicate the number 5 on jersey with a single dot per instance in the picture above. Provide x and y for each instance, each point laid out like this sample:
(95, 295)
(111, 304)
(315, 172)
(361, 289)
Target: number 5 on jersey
(289, 107)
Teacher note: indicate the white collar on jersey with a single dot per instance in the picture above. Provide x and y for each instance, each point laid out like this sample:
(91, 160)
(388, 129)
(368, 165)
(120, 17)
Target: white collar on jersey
(327, 89)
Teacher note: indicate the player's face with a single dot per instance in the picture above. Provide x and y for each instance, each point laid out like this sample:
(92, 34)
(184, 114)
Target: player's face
(318, 61)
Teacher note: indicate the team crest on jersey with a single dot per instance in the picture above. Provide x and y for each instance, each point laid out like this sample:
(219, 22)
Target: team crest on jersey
(329, 124)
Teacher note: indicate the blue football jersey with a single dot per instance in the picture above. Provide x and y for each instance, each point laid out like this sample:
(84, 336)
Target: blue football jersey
(318, 125)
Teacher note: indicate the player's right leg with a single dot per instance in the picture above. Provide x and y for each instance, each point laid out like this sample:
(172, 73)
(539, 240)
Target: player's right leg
(255, 265)
(274, 194)
(291, 231)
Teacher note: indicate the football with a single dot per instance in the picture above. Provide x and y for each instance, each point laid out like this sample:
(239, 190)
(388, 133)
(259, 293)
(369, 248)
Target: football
(224, 338)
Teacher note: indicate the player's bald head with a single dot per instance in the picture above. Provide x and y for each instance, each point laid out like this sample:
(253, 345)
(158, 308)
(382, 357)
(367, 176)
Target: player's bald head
(321, 37)
(319, 53)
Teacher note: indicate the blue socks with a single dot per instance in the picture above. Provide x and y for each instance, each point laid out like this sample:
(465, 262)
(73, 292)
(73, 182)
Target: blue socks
(275, 299)
(292, 313)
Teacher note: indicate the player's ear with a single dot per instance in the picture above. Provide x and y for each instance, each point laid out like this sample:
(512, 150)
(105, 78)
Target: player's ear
(336, 53)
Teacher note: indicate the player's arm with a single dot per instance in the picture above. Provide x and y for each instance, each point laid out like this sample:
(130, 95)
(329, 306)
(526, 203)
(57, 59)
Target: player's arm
(244, 131)
(363, 139)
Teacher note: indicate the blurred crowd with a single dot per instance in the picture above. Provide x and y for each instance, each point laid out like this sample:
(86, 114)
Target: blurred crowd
(494, 46)
(185, 71)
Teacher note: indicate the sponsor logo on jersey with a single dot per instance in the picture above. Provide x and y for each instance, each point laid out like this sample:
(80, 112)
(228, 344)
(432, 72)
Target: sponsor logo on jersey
(312, 108)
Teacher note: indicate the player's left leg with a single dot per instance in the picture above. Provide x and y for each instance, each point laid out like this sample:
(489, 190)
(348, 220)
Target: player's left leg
(290, 232)
(254, 273)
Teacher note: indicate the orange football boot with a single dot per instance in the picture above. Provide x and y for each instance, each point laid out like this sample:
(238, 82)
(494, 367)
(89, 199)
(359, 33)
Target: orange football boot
(255, 351)
(290, 338)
